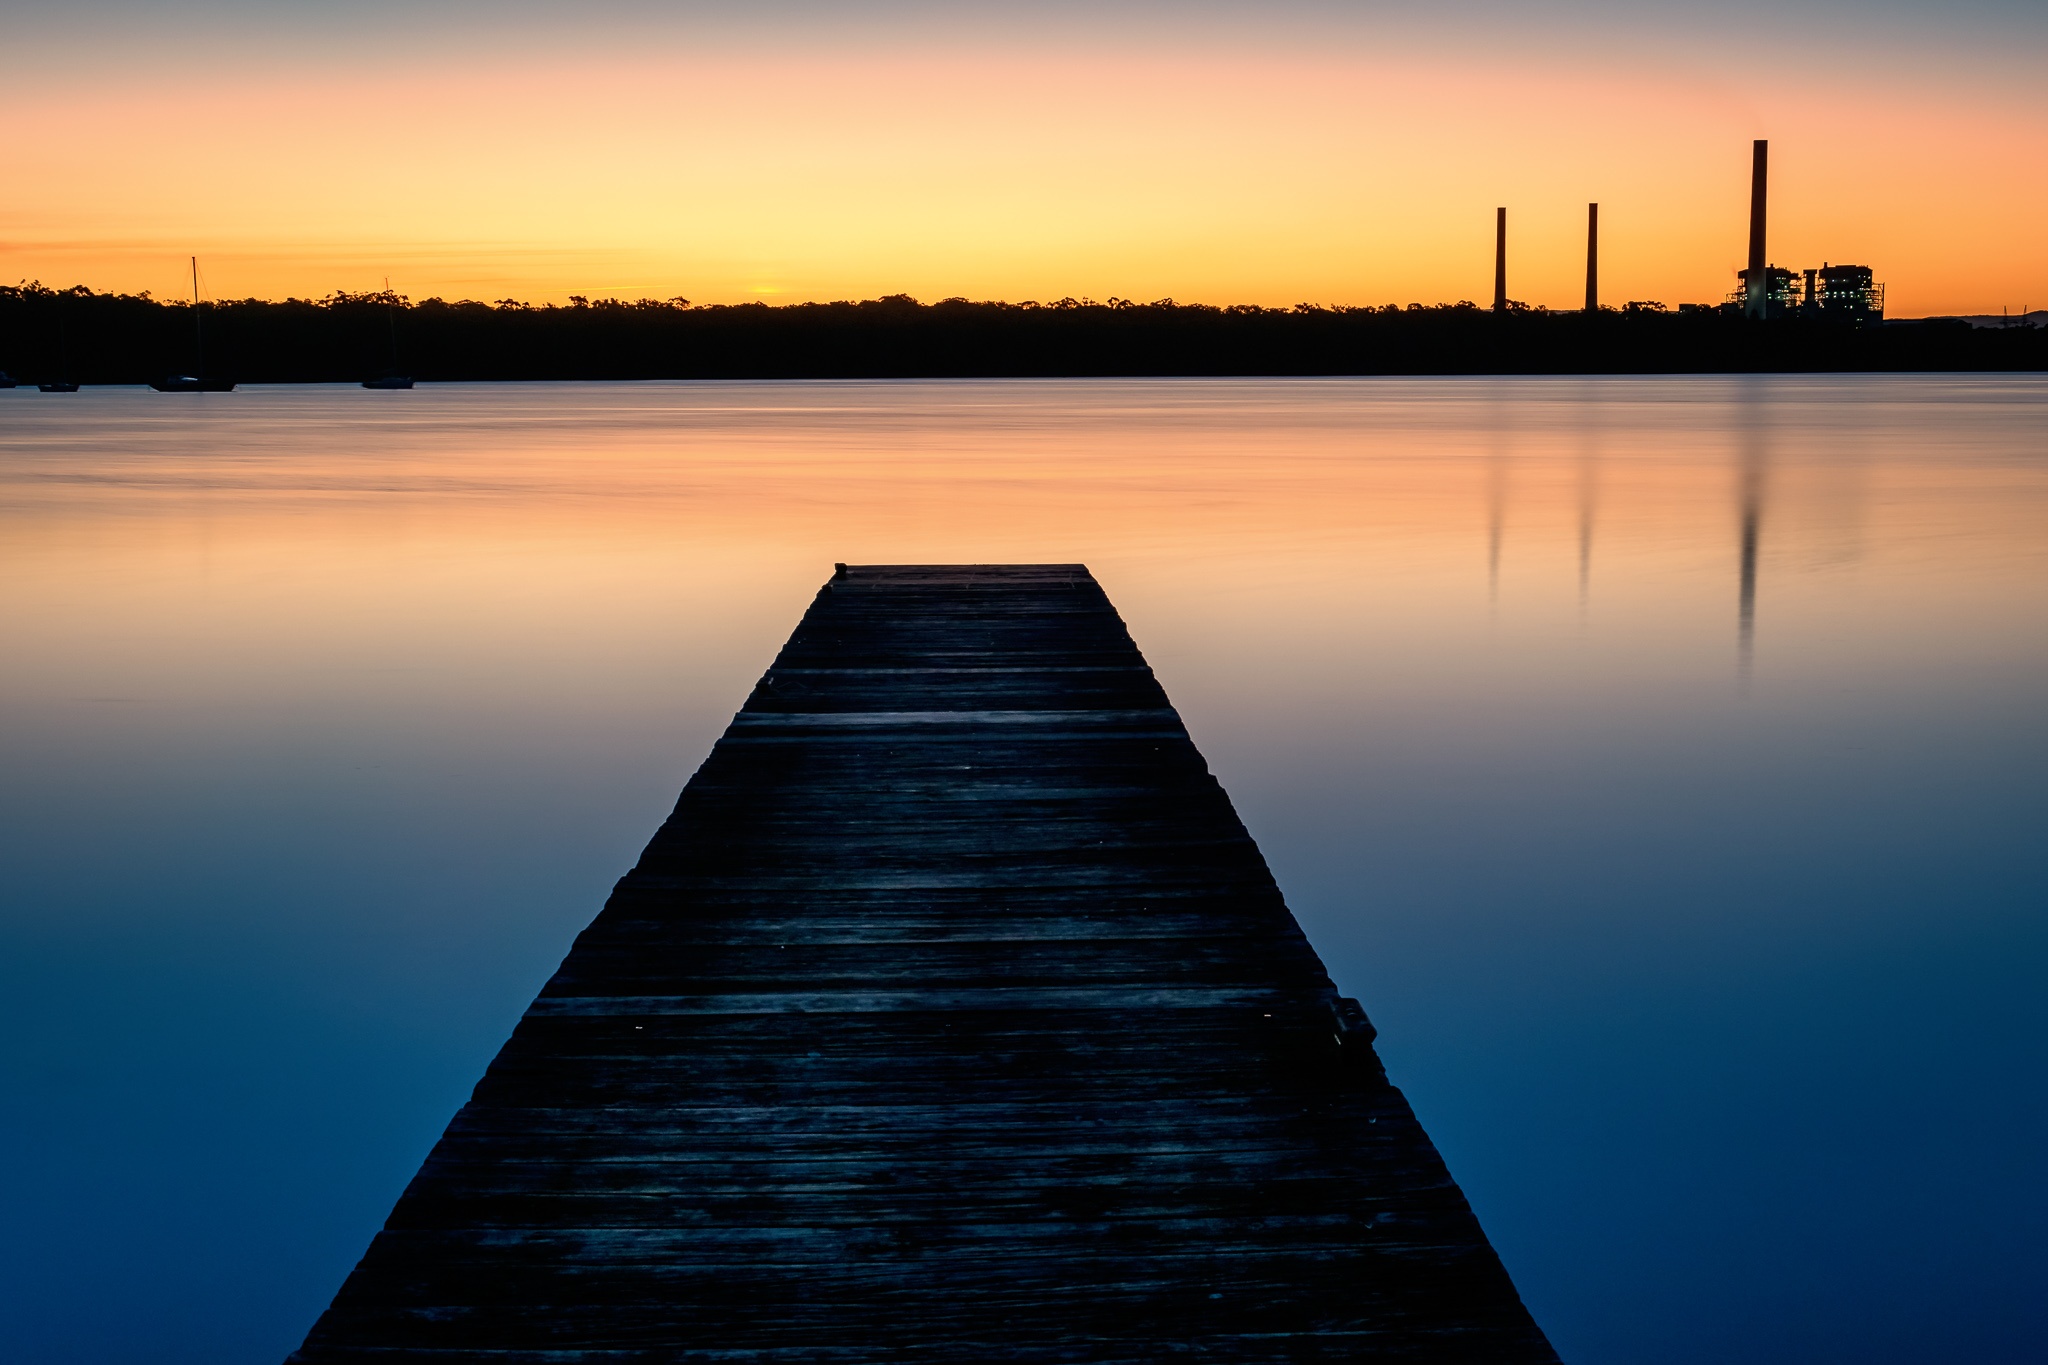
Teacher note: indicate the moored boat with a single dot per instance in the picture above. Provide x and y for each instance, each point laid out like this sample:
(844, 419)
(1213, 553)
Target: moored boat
(200, 382)
(185, 383)
(391, 378)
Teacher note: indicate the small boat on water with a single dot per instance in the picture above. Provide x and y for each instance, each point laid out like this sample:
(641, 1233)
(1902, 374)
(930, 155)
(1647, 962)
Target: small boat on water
(391, 378)
(58, 386)
(185, 383)
(200, 382)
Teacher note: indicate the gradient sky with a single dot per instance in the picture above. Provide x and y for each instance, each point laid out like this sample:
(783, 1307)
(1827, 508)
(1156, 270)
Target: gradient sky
(1276, 153)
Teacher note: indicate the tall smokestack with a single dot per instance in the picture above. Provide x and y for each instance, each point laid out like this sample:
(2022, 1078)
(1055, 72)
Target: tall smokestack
(1592, 258)
(1500, 260)
(1753, 279)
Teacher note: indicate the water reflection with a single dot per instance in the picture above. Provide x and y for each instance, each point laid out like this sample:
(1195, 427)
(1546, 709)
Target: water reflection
(1753, 429)
(1500, 443)
(1589, 493)
(326, 719)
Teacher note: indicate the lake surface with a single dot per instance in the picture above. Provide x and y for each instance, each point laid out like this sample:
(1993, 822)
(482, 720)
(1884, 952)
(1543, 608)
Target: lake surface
(1664, 763)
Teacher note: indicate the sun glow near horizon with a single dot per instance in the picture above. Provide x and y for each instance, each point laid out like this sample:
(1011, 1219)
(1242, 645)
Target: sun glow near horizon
(731, 171)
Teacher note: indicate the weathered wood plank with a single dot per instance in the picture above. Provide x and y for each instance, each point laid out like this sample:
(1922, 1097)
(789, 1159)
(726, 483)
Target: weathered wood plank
(952, 1015)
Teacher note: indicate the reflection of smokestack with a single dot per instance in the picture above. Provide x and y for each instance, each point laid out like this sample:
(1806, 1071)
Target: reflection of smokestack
(1754, 456)
(1592, 258)
(1500, 261)
(1745, 605)
(1758, 174)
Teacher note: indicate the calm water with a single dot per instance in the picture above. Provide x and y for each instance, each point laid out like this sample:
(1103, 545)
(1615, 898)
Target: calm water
(1662, 761)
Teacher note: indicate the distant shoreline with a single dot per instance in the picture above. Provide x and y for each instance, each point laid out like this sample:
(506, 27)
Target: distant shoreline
(109, 338)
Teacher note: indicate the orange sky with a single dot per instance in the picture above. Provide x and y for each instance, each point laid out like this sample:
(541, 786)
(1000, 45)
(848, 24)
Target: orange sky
(1278, 173)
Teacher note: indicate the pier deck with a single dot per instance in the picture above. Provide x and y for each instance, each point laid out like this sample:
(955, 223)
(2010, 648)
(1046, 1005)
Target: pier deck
(952, 1016)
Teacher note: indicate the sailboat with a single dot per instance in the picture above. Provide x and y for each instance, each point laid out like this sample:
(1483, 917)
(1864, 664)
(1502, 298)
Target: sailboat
(194, 383)
(391, 378)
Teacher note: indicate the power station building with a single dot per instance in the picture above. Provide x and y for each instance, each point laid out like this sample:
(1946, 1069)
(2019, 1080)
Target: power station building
(1846, 292)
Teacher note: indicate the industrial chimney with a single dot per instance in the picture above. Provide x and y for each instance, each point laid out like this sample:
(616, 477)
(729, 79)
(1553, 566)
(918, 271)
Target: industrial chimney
(1756, 287)
(1500, 260)
(1592, 258)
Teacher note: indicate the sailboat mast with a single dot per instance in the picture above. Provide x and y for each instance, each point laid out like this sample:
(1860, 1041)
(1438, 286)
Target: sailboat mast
(198, 331)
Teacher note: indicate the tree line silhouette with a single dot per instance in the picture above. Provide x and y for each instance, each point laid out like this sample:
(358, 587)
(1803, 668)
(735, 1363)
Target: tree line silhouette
(104, 338)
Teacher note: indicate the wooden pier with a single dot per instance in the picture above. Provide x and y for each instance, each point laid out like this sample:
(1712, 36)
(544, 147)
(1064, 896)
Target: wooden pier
(952, 1016)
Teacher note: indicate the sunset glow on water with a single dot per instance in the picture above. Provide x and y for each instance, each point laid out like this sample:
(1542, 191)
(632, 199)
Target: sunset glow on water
(1659, 760)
